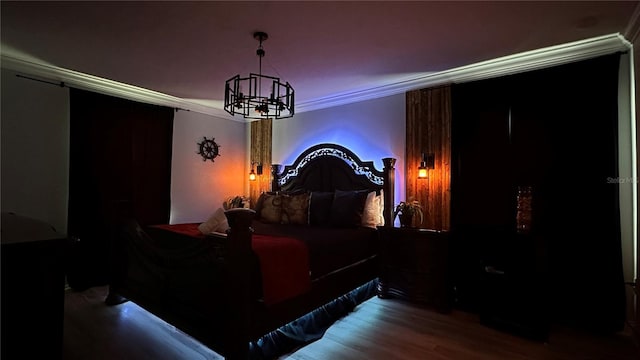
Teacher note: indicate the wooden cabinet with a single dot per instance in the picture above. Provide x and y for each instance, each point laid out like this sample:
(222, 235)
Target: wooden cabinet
(514, 288)
(513, 131)
(32, 289)
(414, 266)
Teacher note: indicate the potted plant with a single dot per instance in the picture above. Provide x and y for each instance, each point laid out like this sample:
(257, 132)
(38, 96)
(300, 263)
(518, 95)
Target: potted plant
(406, 211)
(236, 202)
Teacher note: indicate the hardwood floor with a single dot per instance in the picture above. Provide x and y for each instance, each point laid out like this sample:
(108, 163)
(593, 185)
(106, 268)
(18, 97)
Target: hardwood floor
(93, 330)
(377, 329)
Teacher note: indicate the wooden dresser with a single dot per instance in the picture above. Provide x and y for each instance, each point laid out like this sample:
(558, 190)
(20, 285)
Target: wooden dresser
(33, 285)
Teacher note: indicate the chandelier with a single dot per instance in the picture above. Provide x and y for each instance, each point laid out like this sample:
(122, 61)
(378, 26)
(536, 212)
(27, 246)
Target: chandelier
(258, 96)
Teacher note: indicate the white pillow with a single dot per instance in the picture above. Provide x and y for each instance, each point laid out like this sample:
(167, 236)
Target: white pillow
(222, 226)
(373, 208)
(217, 222)
(380, 208)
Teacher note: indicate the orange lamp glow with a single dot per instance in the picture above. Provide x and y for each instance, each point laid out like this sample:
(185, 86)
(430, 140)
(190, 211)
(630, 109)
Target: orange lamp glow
(422, 172)
(428, 162)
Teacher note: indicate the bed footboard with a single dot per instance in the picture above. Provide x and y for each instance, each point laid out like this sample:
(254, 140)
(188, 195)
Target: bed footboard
(204, 288)
(238, 278)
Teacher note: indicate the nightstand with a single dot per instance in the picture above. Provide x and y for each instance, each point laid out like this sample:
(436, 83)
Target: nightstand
(414, 266)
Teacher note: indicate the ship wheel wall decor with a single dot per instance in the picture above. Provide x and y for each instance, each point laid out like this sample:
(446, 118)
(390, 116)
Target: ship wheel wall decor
(208, 149)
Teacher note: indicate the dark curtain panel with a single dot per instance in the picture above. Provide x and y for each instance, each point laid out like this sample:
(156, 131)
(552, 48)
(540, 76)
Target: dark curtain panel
(481, 195)
(120, 166)
(554, 130)
(578, 206)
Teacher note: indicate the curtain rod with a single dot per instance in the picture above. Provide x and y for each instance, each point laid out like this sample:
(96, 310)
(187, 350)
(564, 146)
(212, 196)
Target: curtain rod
(63, 84)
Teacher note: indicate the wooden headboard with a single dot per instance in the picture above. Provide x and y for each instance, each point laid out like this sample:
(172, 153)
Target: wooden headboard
(330, 167)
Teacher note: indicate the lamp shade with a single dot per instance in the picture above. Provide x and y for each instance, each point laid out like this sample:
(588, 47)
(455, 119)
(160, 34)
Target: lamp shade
(428, 162)
(422, 172)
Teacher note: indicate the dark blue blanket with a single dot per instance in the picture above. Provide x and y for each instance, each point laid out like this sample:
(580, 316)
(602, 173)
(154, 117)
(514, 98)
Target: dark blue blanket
(310, 327)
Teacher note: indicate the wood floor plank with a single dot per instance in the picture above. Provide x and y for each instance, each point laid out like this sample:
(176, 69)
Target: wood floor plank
(93, 330)
(378, 329)
(407, 331)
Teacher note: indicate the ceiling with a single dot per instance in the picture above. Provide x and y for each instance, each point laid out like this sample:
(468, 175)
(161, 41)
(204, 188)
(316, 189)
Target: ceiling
(324, 49)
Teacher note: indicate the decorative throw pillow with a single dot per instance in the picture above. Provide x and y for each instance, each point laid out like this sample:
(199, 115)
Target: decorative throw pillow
(216, 222)
(295, 209)
(320, 207)
(347, 208)
(260, 201)
(371, 213)
(270, 208)
(380, 198)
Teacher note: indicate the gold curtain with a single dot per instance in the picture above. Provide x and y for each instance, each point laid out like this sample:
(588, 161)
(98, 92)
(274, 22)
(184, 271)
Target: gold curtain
(428, 131)
(260, 154)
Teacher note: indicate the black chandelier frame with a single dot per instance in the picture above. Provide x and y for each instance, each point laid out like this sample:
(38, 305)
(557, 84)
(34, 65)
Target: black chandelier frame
(278, 104)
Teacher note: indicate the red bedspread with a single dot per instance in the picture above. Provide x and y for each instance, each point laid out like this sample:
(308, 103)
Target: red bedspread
(284, 262)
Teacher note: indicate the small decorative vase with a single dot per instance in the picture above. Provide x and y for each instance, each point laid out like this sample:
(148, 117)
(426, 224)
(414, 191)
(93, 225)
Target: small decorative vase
(406, 220)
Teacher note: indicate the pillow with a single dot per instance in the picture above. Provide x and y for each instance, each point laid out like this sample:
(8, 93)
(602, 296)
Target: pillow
(222, 226)
(380, 198)
(269, 208)
(260, 201)
(347, 208)
(295, 209)
(265, 194)
(320, 207)
(216, 222)
(372, 214)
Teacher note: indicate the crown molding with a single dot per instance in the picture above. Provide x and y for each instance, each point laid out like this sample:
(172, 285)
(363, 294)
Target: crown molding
(78, 80)
(512, 64)
(507, 65)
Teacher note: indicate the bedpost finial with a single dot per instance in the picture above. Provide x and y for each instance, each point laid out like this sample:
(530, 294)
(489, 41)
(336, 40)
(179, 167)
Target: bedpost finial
(239, 218)
(389, 162)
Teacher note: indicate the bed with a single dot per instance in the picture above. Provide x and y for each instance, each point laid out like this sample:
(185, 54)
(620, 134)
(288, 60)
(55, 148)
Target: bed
(311, 240)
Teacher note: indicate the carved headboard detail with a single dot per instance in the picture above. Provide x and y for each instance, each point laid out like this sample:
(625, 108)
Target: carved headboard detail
(327, 167)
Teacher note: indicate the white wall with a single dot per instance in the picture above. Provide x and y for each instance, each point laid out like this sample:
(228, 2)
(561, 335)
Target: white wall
(199, 187)
(35, 149)
(372, 129)
(35, 156)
